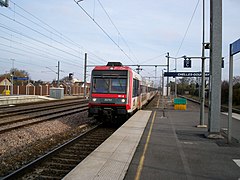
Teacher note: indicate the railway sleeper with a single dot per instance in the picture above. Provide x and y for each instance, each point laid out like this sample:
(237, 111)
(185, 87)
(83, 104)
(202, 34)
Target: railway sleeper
(83, 148)
(53, 171)
(85, 145)
(71, 156)
(50, 177)
(80, 151)
(64, 160)
(62, 166)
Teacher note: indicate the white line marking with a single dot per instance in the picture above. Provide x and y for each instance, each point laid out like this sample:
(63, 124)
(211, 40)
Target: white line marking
(234, 115)
(237, 161)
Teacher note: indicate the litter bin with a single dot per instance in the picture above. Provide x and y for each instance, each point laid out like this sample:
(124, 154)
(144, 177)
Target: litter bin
(6, 92)
(180, 104)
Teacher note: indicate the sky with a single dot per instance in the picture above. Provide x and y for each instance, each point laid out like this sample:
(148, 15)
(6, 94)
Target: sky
(35, 35)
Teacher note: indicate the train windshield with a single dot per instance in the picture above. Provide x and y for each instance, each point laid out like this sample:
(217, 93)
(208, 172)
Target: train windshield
(114, 82)
(109, 85)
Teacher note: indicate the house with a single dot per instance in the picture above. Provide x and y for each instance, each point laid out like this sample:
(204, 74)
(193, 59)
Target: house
(5, 84)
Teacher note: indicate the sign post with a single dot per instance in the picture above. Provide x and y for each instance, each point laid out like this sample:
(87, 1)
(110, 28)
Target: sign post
(234, 49)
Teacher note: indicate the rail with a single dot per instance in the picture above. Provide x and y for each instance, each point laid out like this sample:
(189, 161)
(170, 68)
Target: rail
(58, 162)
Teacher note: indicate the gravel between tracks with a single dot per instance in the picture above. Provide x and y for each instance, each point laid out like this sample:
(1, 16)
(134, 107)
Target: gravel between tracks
(18, 147)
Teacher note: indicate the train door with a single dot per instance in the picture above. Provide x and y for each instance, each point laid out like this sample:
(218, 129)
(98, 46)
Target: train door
(136, 94)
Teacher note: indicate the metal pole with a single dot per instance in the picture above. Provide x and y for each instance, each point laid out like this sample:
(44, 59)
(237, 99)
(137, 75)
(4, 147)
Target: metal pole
(58, 73)
(162, 83)
(175, 78)
(12, 75)
(85, 72)
(167, 71)
(202, 99)
(216, 66)
(230, 95)
(155, 75)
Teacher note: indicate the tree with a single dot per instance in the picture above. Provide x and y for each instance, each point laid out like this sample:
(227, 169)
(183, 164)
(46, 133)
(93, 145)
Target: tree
(224, 92)
(236, 79)
(16, 73)
(186, 84)
(65, 79)
(236, 93)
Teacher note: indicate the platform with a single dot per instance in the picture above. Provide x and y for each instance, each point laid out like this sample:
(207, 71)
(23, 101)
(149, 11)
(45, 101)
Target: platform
(171, 147)
(112, 158)
(9, 100)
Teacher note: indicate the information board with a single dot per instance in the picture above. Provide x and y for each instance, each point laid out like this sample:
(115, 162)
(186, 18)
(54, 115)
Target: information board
(20, 78)
(185, 74)
(235, 47)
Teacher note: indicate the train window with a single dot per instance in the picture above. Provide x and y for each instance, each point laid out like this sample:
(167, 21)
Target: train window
(118, 85)
(100, 85)
(136, 89)
(109, 85)
(143, 89)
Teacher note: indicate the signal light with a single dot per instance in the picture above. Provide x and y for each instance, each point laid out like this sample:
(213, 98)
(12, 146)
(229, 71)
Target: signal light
(70, 76)
(187, 63)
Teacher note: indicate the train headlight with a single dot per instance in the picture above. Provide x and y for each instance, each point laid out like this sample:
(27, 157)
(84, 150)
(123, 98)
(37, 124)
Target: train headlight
(123, 100)
(94, 99)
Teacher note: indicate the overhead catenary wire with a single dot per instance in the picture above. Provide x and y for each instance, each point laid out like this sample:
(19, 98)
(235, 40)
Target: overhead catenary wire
(36, 31)
(55, 32)
(36, 40)
(31, 64)
(45, 55)
(38, 48)
(110, 19)
(153, 58)
(103, 30)
(59, 34)
(185, 34)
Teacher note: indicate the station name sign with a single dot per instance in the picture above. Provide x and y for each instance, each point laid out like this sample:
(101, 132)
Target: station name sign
(185, 74)
(20, 78)
(235, 47)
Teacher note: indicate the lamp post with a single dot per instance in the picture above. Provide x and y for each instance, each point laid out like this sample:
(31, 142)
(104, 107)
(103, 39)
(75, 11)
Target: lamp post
(12, 75)
(58, 72)
(163, 87)
(85, 75)
(167, 71)
(163, 81)
(202, 99)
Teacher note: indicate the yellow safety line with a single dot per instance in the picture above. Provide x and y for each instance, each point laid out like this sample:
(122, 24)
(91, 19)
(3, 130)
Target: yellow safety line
(140, 166)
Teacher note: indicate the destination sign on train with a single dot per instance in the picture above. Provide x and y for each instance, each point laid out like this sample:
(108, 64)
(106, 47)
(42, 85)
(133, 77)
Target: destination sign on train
(185, 74)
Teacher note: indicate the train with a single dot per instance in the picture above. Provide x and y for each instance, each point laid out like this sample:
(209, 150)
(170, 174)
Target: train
(116, 92)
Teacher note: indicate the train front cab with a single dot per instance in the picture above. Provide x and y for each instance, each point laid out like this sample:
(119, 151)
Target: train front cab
(109, 89)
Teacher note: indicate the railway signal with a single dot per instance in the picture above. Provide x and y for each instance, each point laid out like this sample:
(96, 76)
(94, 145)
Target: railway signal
(70, 76)
(187, 63)
(4, 3)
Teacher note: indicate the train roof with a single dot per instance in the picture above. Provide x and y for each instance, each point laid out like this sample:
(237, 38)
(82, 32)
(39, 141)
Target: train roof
(121, 68)
(117, 66)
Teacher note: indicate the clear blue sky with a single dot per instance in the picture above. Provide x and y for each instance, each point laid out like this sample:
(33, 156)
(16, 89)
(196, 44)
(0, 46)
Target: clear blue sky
(36, 34)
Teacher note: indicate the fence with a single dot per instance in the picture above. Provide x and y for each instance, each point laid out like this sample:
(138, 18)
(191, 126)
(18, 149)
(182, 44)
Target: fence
(43, 90)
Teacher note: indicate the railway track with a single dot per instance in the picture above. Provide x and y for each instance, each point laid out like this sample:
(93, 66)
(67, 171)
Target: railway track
(223, 107)
(28, 107)
(57, 163)
(17, 118)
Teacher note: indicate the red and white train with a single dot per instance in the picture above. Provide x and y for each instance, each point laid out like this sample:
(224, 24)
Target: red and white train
(118, 91)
